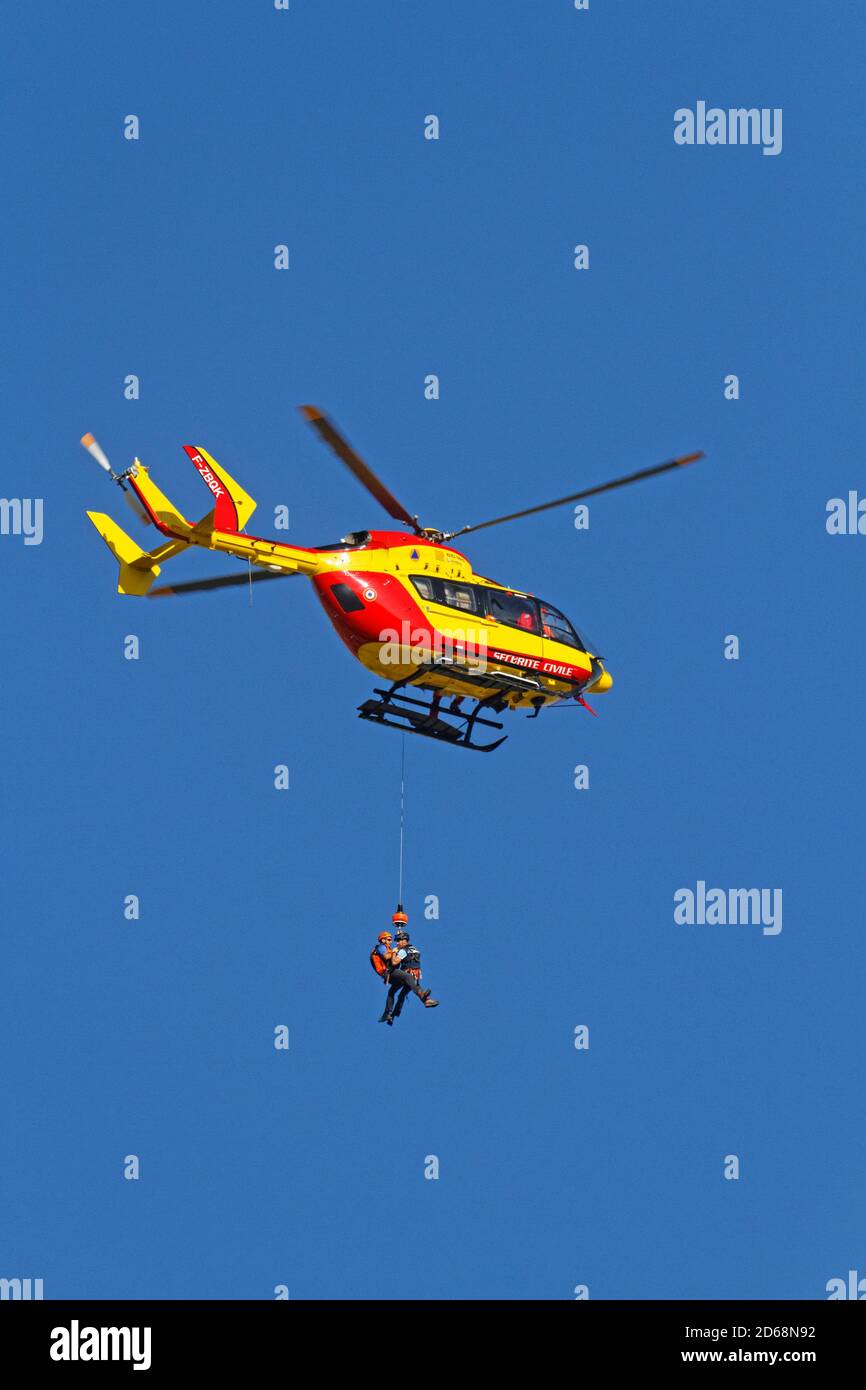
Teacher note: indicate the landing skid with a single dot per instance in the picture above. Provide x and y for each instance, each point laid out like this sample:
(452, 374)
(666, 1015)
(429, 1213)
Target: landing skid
(447, 723)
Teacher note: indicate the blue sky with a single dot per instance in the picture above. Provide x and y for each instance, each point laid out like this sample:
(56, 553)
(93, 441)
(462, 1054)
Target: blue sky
(155, 777)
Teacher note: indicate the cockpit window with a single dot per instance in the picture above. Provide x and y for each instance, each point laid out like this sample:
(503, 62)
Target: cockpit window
(557, 628)
(513, 609)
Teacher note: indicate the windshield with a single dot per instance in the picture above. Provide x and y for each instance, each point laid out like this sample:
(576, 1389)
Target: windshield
(557, 628)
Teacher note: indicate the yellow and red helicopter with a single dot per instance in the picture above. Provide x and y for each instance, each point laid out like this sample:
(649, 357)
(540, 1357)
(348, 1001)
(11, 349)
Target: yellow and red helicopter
(406, 603)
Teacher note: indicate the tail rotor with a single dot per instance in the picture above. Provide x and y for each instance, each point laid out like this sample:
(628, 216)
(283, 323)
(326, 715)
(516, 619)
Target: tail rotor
(98, 454)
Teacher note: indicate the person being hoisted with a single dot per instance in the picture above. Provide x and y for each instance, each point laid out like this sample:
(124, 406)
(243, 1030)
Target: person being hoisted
(399, 966)
(410, 964)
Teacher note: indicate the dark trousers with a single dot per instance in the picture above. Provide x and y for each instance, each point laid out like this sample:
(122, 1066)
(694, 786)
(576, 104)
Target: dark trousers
(400, 982)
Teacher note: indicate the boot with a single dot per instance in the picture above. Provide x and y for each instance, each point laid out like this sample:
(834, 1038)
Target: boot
(431, 1003)
(386, 1018)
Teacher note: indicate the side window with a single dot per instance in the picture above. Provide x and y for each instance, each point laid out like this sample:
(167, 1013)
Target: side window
(513, 609)
(466, 597)
(424, 585)
(460, 596)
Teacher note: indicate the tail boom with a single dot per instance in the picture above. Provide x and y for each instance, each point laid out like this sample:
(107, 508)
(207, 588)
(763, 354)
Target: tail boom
(219, 530)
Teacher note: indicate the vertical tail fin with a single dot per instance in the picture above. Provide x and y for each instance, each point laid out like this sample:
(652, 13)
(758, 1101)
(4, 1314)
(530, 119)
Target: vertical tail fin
(234, 507)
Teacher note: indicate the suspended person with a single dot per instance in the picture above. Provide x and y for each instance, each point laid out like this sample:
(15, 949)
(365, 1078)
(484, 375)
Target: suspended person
(406, 975)
(388, 959)
(383, 956)
(409, 958)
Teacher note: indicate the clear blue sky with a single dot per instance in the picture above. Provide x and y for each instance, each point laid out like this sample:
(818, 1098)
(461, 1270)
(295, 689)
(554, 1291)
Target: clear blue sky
(155, 777)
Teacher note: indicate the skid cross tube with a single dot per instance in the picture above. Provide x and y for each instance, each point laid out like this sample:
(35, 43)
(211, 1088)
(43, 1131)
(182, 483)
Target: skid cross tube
(429, 719)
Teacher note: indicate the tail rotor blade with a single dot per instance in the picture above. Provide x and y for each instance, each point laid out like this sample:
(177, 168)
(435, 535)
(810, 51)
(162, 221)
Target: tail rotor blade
(96, 452)
(135, 505)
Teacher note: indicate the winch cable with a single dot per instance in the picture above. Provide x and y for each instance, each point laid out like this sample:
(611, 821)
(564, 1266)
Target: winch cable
(402, 814)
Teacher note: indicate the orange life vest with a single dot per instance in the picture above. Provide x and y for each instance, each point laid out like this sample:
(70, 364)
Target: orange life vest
(379, 964)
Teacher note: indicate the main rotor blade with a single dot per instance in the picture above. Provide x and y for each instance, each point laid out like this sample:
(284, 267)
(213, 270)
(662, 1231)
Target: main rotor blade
(343, 449)
(223, 581)
(577, 496)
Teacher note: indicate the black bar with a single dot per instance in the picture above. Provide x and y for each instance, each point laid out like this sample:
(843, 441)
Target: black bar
(218, 1337)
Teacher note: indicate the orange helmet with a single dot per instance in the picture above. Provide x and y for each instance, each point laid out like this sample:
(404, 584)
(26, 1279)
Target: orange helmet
(384, 936)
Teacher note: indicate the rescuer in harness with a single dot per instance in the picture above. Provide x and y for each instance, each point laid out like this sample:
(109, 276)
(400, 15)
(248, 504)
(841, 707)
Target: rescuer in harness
(399, 966)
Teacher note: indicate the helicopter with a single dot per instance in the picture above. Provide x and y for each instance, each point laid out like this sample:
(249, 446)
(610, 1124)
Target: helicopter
(453, 647)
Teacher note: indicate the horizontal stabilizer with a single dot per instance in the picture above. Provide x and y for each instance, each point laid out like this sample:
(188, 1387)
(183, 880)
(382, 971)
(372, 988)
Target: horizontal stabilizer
(137, 568)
